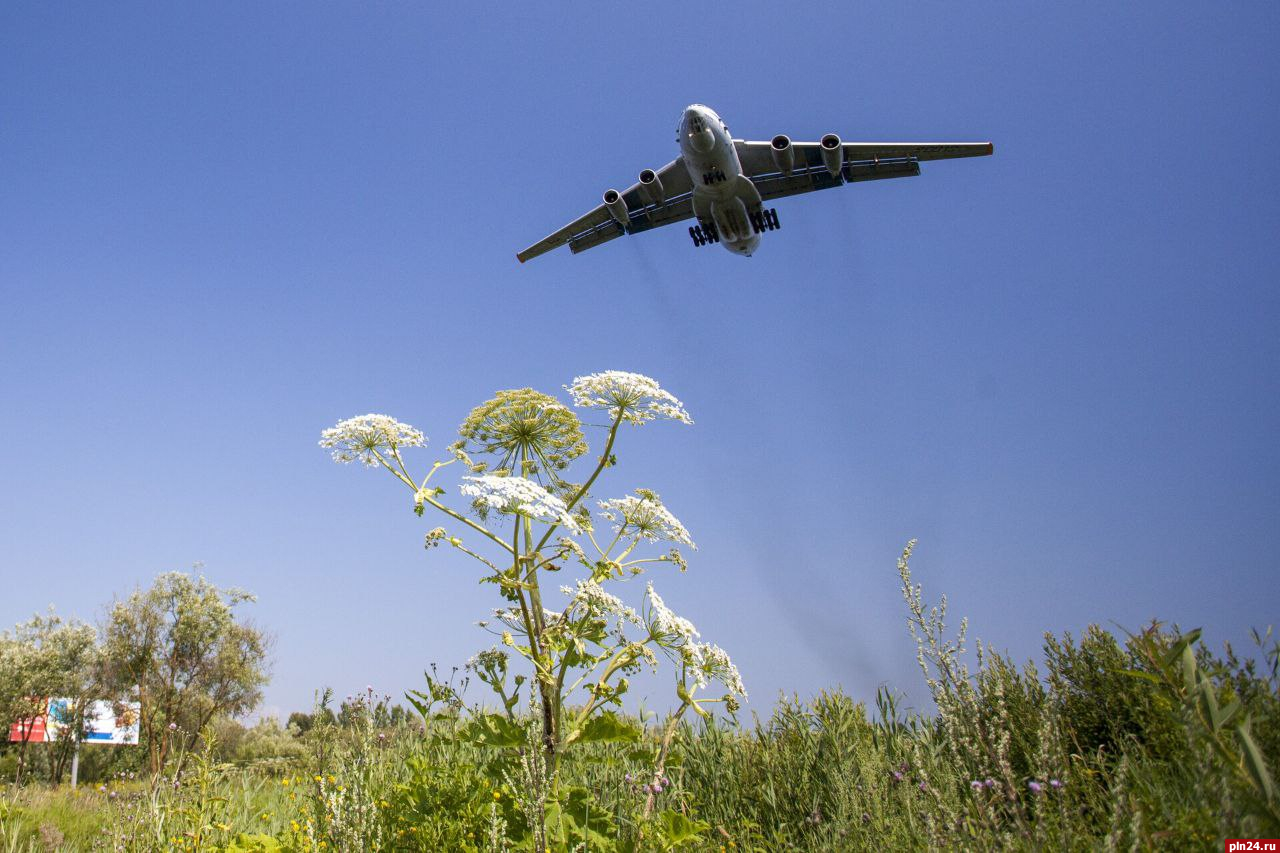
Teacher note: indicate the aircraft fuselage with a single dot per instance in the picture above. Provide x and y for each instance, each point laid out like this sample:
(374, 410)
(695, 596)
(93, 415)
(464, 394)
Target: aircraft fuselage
(722, 194)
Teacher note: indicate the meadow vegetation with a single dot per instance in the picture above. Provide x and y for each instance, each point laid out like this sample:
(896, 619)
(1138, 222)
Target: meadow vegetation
(1150, 739)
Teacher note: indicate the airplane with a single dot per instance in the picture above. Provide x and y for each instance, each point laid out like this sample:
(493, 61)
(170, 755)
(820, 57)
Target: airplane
(724, 182)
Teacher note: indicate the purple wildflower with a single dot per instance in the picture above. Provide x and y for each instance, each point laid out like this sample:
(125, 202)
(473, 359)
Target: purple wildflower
(897, 776)
(1035, 786)
(975, 785)
(989, 783)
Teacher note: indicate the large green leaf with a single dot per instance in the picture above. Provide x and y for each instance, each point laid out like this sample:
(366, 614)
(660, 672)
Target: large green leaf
(244, 843)
(678, 829)
(577, 821)
(493, 730)
(607, 727)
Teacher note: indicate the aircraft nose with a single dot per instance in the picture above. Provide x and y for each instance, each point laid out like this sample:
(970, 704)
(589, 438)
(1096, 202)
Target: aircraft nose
(702, 140)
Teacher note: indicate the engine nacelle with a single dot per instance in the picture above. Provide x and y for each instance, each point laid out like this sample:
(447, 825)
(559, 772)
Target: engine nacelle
(617, 207)
(651, 187)
(832, 154)
(784, 156)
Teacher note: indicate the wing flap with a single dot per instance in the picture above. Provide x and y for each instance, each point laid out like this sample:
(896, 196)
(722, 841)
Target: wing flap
(599, 226)
(810, 178)
(757, 157)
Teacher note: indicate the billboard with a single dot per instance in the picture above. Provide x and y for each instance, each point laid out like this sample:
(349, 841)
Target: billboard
(105, 722)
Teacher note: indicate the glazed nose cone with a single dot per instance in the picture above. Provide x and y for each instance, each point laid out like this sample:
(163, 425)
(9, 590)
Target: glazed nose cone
(698, 131)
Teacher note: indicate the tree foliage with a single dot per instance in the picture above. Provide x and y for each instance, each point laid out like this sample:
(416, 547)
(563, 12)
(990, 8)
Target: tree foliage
(180, 646)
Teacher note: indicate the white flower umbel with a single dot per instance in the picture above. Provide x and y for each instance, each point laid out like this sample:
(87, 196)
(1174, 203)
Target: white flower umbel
(674, 631)
(644, 515)
(592, 598)
(637, 398)
(710, 662)
(363, 438)
(518, 496)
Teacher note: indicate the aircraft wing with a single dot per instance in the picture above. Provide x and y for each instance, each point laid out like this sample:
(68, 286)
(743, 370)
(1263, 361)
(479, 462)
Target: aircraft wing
(598, 226)
(863, 161)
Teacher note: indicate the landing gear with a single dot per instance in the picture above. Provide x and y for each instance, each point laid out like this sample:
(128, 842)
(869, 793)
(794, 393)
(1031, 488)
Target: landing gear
(704, 233)
(765, 220)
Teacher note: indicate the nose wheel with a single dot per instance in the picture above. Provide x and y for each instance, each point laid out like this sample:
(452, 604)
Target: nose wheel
(703, 233)
(765, 220)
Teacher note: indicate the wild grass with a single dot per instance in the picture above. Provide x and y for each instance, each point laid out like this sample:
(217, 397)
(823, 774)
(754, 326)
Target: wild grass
(1119, 744)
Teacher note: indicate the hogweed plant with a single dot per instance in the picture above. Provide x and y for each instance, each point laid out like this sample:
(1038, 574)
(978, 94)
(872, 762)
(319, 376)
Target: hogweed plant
(526, 520)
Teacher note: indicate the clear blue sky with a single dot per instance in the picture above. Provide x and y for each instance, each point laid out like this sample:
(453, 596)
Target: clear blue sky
(224, 227)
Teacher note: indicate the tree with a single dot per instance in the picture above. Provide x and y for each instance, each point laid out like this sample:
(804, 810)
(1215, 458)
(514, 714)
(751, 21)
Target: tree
(180, 646)
(46, 657)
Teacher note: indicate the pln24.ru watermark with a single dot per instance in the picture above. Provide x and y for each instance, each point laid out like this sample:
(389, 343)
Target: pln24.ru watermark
(1244, 845)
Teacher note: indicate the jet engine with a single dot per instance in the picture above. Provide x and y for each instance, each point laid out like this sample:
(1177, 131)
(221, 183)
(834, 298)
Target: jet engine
(832, 153)
(784, 156)
(651, 187)
(617, 207)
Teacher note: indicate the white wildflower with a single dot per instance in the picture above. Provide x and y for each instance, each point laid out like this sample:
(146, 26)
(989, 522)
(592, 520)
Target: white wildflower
(674, 630)
(494, 659)
(592, 598)
(519, 496)
(637, 398)
(644, 515)
(362, 438)
(712, 662)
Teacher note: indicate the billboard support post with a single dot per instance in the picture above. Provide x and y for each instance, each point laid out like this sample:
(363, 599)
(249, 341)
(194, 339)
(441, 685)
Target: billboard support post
(75, 764)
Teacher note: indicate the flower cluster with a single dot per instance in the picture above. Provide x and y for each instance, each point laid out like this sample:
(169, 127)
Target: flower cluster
(710, 662)
(631, 396)
(362, 438)
(492, 660)
(592, 598)
(673, 630)
(522, 424)
(519, 496)
(644, 515)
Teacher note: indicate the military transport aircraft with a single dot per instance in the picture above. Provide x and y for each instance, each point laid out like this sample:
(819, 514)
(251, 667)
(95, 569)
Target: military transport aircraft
(724, 182)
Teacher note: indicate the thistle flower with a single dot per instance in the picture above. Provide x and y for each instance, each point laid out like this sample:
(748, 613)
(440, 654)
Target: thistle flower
(1035, 786)
(1055, 784)
(636, 398)
(644, 515)
(518, 496)
(362, 438)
